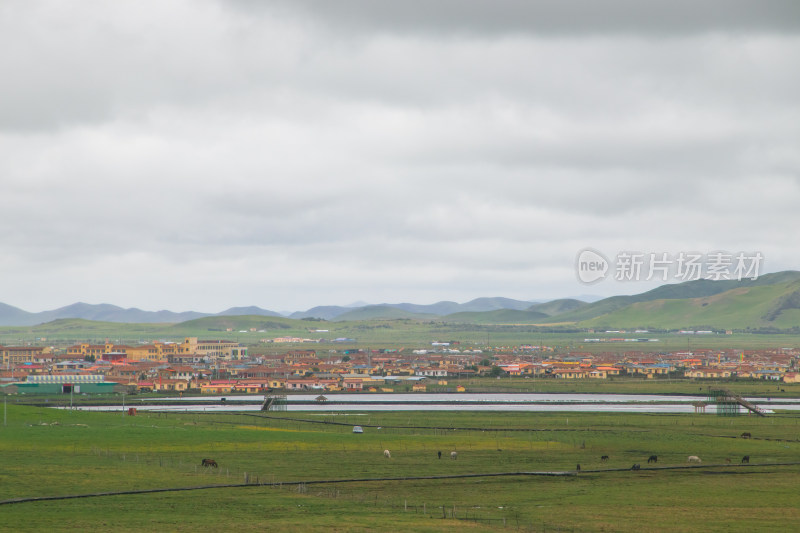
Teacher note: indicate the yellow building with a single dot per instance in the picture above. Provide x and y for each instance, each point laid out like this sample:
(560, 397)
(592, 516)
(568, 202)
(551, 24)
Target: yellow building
(163, 351)
(19, 355)
(226, 350)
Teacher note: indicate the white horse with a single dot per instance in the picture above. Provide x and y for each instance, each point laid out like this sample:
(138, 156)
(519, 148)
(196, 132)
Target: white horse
(693, 459)
(453, 455)
(387, 454)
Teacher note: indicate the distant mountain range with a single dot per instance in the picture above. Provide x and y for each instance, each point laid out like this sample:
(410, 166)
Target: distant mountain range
(407, 310)
(772, 300)
(14, 316)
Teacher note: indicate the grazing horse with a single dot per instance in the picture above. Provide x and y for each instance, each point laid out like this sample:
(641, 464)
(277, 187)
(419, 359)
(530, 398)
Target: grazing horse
(209, 462)
(453, 455)
(387, 454)
(635, 466)
(604, 458)
(652, 459)
(746, 435)
(693, 459)
(746, 459)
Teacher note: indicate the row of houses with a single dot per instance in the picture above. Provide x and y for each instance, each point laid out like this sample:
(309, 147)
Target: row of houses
(191, 348)
(225, 367)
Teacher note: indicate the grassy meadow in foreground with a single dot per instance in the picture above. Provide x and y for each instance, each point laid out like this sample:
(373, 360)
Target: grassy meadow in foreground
(49, 452)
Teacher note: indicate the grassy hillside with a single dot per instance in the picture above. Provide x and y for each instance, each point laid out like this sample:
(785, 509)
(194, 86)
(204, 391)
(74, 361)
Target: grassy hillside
(242, 322)
(500, 316)
(557, 307)
(775, 305)
(773, 301)
(382, 312)
(690, 289)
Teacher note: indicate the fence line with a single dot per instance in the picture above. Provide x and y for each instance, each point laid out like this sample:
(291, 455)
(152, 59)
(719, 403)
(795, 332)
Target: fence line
(301, 486)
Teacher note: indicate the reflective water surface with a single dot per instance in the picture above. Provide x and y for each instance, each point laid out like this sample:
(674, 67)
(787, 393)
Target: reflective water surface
(636, 403)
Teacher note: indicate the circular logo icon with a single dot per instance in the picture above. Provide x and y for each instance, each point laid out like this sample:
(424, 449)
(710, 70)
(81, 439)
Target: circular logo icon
(591, 266)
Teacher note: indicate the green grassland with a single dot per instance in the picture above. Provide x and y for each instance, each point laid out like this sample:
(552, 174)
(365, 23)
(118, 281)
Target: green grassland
(499, 316)
(50, 453)
(391, 334)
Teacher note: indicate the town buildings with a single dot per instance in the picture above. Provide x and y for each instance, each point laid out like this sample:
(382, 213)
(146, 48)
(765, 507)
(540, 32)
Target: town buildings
(223, 367)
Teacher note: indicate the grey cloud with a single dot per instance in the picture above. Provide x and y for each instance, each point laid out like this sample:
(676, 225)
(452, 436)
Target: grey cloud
(548, 17)
(283, 153)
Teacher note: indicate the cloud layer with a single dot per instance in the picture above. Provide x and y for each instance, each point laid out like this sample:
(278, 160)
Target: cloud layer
(201, 155)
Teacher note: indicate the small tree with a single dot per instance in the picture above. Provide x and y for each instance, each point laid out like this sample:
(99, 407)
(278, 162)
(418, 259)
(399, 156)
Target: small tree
(495, 372)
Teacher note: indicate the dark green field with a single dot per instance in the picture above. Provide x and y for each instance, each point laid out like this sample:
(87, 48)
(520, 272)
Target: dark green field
(50, 453)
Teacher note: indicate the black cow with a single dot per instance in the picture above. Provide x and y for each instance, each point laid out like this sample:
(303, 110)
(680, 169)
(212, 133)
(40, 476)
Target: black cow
(746, 459)
(652, 459)
(635, 467)
(604, 458)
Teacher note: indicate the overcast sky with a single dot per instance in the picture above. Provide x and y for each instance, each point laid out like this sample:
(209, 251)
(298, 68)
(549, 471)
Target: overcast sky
(207, 154)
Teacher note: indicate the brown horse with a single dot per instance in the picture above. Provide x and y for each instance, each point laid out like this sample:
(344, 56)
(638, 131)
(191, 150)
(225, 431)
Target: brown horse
(209, 462)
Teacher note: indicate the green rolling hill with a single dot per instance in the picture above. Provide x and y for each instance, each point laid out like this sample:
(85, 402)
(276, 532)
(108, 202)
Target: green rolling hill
(499, 316)
(755, 306)
(676, 291)
(558, 307)
(772, 301)
(380, 312)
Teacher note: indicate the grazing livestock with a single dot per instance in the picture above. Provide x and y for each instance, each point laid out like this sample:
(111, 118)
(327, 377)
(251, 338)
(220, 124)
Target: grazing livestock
(635, 467)
(453, 455)
(209, 462)
(440, 454)
(728, 460)
(652, 459)
(578, 468)
(746, 435)
(693, 459)
(387, 454)
(604, 458)
(746, 459)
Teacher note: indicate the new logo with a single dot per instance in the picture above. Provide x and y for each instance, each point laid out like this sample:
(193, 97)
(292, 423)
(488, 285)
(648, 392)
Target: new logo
(591, 266)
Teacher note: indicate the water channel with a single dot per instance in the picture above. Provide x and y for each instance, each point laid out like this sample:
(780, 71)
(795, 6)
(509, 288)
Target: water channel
(632, 403)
